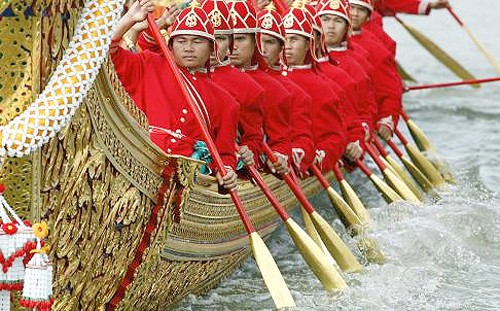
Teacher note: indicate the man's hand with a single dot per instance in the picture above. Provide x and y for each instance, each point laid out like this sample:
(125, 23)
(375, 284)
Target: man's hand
(385, 131)
(439, 4)
(168, 17)
(229, 181)
(139, 10)
(353, 151)
(280, 166)
(246, 155)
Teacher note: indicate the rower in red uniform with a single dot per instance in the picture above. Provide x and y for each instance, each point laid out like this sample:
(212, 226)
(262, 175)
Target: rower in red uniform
(388, 86)
(275, 107)
(329, 130)
(272, 42)
(150, 80)
(248, 93)
(334, 15)
(343, 85)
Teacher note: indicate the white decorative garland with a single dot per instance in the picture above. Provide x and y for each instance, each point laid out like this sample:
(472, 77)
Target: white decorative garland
(69, 84)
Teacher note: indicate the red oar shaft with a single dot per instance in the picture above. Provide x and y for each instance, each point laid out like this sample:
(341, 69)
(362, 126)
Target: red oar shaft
(321, 178)
(289, 181)
(363, 168)
(395, 148)
(338, 174)
(400, 136)
(448, 84)
(206, 136)
(379, 146)
(455, 16)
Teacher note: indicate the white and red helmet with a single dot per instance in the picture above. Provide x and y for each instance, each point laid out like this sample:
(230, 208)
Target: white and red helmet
(335, 7)
(296, 21)
(243, 16)
(364, 3)
(193, 21)
(270, 23)
(218, 13)
(313, 17)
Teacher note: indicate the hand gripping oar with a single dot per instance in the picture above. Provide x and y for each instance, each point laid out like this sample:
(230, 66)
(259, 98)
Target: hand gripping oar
(391, 178)
(387, 192)
(448, 84)
(417, 174)
(272, 276)
(425, 145)
(368, 246)
(478, 43)
(437, 52)
(343, 209)
(398, 169)
(336, 247)
(421, 161)
(310, 251)
(350, 196)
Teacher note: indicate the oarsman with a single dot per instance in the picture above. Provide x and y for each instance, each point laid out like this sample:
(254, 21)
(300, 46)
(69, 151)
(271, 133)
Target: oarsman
(329, 131)
(334, 15)
(275, 107)
(342, 84)
(248, 93)
(151, 81)
(388, 87)
(272, 43)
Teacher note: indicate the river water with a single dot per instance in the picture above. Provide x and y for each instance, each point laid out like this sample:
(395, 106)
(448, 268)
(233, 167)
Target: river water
(440, 256)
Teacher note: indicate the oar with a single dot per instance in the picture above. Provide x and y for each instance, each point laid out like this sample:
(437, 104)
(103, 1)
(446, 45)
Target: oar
(417, 174)
(448, 84)
(404, 74)
(425, 145)
(400, 171)
(387, 192)
(391, 178)
(478, 43)
(271, 274)
(310, 251)
(337, 248)
(343, 209)
(350, 196)
(437, 52)
(368, 246)
(421, 161)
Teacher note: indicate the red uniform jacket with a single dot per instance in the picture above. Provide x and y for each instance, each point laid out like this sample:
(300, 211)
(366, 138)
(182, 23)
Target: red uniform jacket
(376, 27)
(327, 125)
(149, 80)
(341, 80)
(276, 111)
(367, 108)
(300, 123)
(249, 94)
(387, 83)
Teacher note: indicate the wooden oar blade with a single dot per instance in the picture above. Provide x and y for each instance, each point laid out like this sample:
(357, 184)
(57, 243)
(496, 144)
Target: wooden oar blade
(387, 192)
(343, 209)
(424, 165)
(493, 61)
(400, 186)
(369, 247)
(422, 180)
(339, 250)
(315, 258)
(438, 53)
(353, 200)
(270, 273)
(407, 179)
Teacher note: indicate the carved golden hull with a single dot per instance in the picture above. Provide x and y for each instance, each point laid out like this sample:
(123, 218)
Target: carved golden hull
(97, 183)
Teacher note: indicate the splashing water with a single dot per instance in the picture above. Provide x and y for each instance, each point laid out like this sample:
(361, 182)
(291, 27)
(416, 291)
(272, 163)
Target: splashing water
(440, 256)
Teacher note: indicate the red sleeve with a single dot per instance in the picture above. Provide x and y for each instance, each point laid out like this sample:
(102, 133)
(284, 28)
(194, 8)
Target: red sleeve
(301, 127)
(250, 125)
(391, 7)
(147, 42)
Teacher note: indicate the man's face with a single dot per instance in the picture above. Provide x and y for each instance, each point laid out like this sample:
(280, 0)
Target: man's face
(271, 48)
(359, 16)
(191, 51)
(296, 47)
(335, 29)
(244, 47)
(222, 47)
